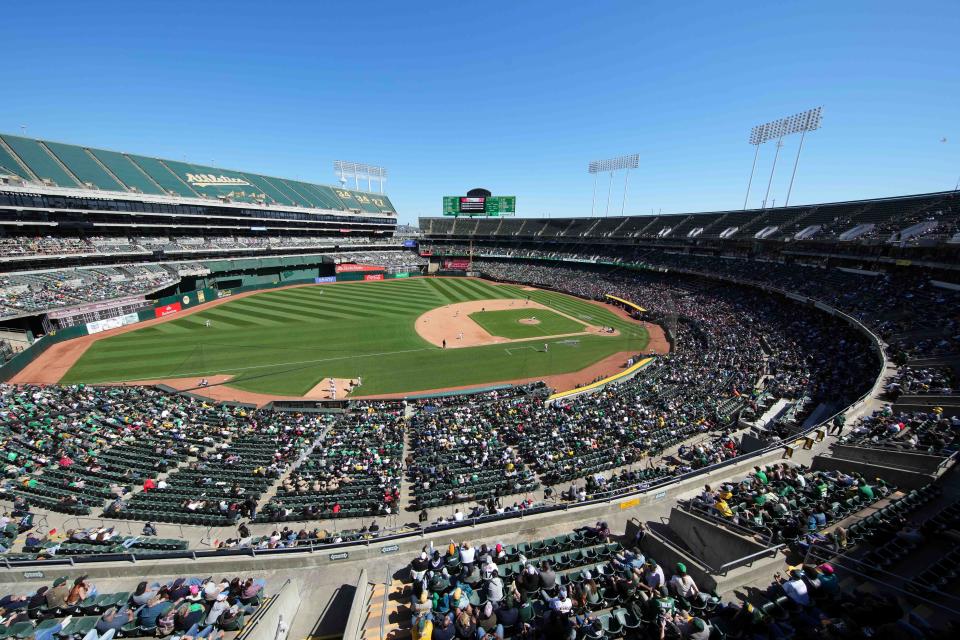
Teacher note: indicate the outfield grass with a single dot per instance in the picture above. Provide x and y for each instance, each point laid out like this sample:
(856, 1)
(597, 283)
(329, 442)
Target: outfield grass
(284, 342)
(506, 323)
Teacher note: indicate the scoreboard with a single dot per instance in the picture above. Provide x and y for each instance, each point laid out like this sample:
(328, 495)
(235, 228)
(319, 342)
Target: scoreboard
(479, 206)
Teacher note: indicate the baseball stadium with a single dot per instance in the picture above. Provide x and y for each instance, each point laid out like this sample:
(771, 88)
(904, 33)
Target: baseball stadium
(238, 406)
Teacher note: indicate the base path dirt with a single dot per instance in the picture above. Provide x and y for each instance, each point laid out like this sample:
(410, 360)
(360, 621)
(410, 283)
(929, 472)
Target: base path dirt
(452, 324)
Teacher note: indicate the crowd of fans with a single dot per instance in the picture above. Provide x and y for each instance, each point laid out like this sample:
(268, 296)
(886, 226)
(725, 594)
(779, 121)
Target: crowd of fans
(37, 292)
(913, 315)
(920, 381)
(581, 587)
(734, 351)
(65, 245)
(781, 503)
(921, 431)
(187, 608)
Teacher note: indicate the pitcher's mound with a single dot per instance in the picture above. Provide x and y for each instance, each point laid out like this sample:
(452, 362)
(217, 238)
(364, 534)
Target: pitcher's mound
(529, 321)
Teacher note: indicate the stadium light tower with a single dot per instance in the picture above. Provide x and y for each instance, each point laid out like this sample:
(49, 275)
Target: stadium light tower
(809, 120)
(358, 171)
(612, 165)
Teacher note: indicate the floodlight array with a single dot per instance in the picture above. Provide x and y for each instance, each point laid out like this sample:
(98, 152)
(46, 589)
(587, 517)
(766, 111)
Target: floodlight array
(809, 120)
(631, 161)
(345, 168)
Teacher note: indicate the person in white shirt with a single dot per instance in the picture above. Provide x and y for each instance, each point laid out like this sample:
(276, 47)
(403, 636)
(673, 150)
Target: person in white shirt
(562, 602)
(682, 585)
(795, 588)
(467, 554)
(458, 516)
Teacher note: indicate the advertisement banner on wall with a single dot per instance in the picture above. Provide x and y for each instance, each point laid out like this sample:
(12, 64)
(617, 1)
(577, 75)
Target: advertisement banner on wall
(111, 323)
(402, 274)
(373, 276)
(350, 267)
(456, 264)
(224, 293)
(167, 309)
(323, 279)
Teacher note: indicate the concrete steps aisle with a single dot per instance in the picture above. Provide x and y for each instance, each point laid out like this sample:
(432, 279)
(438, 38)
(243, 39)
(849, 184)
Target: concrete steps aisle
(271, 491)
(388, 616)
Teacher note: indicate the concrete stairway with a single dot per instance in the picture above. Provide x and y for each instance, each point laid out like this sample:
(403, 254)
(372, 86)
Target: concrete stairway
(388, 615)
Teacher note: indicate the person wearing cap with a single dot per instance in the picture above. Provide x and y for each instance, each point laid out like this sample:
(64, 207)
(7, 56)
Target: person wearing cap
(823, 582)
(436, 562)
(57, 595)
(653, 579)
(529, 579)
(460, 599)
(217, 608)
(562, 602)
(421, 605)
(589, 589)
(419, 566)
(794, 587)
(487, 619)
(494, 587)
(696, 629)
(682, 585)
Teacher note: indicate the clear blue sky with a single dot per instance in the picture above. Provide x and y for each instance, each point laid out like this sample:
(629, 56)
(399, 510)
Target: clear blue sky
(514, 96)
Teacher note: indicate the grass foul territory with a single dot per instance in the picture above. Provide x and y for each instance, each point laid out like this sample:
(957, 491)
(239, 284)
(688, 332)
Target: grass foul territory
(284, 342)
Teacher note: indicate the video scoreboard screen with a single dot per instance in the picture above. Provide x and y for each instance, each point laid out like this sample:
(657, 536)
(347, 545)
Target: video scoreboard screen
(479, 206)
(473, 205)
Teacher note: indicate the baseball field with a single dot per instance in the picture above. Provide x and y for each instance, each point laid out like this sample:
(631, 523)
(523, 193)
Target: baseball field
(386, 337)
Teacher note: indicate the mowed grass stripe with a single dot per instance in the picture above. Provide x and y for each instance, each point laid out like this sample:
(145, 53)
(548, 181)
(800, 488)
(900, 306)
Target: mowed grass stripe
(482, 291)
(292, 311)
(449, 292)
(380, 292)
(403, 298)
(468, 293)
(232, 317)
(443, 295)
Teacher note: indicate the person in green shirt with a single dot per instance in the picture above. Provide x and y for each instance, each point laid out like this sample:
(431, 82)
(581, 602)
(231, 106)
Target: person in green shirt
(760, 475)
(865, 489)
